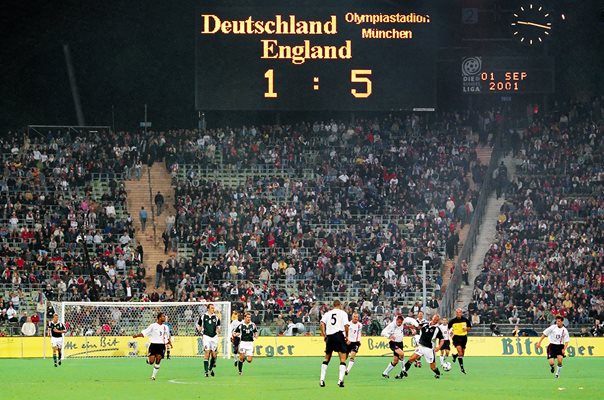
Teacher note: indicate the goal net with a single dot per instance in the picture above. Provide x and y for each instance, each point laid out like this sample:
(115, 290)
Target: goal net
(105, 329)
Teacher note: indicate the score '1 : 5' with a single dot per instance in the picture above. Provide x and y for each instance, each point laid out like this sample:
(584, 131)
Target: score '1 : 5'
(356, 76)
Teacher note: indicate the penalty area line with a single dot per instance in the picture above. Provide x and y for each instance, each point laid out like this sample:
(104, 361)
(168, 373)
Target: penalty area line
(201, 381)
(179, 382)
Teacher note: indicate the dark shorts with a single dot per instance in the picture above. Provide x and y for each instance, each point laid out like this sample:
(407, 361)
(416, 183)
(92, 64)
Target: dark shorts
(236, 340)
(353, 347)
(157, 349)
(460, 341)
(394, 346)
(446, 345)
(335, 342)
(554, 350)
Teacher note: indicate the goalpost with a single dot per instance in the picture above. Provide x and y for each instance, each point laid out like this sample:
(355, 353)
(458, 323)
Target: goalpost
(105, 329)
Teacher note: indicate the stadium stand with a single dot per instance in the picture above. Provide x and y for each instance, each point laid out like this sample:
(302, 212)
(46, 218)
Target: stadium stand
(254, 222)
(283, 219)
(54, 188)
(548, 255)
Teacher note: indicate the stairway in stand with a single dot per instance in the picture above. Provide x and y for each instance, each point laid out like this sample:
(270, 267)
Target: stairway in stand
(141, 194)
(483, 154)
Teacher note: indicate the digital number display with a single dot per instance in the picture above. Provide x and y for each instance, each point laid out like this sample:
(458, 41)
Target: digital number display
(507, 75)
(315, 55)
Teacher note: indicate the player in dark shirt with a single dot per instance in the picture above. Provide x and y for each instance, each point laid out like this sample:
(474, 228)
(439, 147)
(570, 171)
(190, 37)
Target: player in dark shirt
(429, 334)
(56, 330)
(247, 332)
(209, 326)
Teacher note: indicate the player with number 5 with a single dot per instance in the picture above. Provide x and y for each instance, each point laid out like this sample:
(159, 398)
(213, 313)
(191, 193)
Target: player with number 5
(334, 328)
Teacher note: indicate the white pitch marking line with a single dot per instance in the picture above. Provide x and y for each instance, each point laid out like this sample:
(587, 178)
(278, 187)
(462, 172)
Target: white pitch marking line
(182, 382)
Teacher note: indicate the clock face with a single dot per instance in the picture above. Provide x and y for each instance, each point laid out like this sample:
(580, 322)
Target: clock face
(531, 24)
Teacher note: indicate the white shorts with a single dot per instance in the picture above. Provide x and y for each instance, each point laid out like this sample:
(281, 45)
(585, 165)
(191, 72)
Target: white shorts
(247, 348)
(56, 342)
(210, 343)
(426, 352)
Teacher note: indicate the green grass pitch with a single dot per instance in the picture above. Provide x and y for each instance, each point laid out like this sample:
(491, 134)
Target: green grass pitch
(296, 378)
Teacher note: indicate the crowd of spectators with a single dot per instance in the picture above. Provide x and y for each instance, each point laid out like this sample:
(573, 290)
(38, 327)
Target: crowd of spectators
(56, 187)
(381, 196)
(549, 254)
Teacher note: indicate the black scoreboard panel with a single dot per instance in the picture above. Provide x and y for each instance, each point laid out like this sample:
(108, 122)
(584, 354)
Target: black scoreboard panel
(315, 55)
(507, 75)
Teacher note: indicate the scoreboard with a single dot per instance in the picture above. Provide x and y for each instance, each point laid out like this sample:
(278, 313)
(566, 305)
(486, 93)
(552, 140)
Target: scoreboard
(315, 55)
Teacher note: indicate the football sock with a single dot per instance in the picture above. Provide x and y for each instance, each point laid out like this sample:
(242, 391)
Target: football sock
(212, 362)
(455, 357)
(436, 371)
(323, 370)
(155, 369)
(342, 371)
(54, 357)
(206, 363)
(350, 365)
(389, 368)
(460, 359)
(558, 369)
(407, 365)
(240, 365)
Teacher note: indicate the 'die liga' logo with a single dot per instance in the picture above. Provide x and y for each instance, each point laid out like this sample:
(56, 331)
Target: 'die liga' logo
(470, 71)
(471, 66)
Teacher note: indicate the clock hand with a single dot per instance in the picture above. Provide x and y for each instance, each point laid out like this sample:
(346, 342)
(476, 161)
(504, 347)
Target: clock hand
(534, 24)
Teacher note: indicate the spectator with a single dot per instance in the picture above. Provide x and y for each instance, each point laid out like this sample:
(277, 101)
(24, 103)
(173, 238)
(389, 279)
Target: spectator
(28, 328)
(159, 202)
(11, 313)
(280, 324)
(142, 215)
(514, 318)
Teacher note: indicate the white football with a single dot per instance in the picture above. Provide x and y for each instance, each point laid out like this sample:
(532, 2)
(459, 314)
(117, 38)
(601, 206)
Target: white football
(447, 366)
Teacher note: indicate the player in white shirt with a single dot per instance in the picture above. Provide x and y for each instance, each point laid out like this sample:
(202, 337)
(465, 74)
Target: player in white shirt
(159, 336)
(558, 337)
(235, 339)
(446, 347)
(334, 328)
(395, 331)
(353, 340)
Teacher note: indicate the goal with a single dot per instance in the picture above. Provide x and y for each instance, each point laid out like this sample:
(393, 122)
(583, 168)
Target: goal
(105, 329)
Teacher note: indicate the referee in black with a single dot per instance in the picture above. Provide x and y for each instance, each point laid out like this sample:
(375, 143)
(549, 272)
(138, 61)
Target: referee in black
(460, 327)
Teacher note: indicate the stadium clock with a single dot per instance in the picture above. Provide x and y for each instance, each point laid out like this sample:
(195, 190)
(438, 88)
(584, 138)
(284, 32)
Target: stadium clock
(531, 24)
